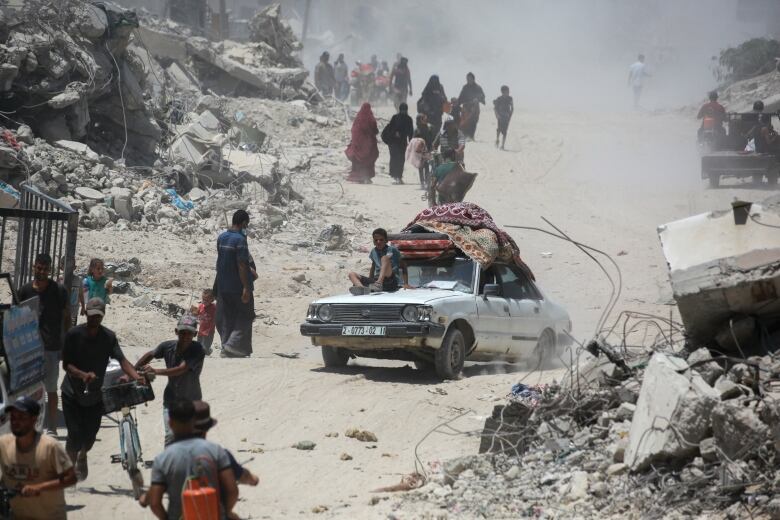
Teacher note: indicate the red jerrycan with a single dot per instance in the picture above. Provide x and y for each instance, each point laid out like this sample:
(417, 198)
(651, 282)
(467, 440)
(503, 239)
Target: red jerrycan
(199, 501)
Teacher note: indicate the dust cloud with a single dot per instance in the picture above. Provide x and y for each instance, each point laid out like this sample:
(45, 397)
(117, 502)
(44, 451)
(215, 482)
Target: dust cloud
(567, 54)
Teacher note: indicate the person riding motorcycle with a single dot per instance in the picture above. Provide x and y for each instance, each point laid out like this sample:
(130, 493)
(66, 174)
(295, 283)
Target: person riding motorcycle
(713, 115)
(362, 82)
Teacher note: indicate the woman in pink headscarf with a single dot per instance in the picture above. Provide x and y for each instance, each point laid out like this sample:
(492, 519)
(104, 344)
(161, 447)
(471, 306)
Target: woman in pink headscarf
(363, 150)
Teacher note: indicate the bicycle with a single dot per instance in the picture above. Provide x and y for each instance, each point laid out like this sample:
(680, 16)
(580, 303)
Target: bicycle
(123, 398)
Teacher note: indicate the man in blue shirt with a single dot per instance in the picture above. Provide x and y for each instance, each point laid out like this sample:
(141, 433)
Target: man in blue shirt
(385, 274)
(233, 288)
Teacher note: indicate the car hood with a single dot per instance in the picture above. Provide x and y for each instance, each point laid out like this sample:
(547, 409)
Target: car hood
(401, 296)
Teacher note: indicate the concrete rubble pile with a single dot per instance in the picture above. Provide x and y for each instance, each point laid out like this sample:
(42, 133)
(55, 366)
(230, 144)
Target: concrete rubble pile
(268, 67)
(82, 74)
(173, 197)
(67, 73)
(740, 96)
(659, 436)
(279, 41)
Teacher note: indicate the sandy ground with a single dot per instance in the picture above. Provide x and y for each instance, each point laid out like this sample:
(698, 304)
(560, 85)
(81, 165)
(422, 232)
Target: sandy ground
(606, 179)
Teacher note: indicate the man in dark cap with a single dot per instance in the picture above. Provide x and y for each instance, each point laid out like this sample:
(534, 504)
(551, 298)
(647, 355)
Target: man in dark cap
(85, 356)
(35, 464)
(183, 365)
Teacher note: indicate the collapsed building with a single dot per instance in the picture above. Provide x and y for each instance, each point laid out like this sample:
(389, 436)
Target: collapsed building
(134, 120)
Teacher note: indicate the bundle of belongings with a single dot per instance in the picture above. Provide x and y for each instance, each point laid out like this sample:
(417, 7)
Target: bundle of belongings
(452, 181)
(469, 228)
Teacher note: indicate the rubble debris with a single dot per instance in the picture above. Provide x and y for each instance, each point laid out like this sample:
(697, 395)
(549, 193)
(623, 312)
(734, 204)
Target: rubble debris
(738, 431)
(672, 413)
(333, 238)
(361, 435)
(709, 370)
(269, 28)
(268, 66)
(580, 452)
(731, 272)
(67, 74)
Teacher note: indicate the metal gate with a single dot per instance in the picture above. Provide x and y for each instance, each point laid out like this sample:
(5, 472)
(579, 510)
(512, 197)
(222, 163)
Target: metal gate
(44, 225)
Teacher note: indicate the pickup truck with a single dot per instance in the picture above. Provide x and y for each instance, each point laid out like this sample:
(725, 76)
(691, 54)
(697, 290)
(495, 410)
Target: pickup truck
(456, 311)
(21, 374)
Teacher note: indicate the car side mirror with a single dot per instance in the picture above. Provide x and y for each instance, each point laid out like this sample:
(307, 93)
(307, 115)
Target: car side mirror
(491, 289)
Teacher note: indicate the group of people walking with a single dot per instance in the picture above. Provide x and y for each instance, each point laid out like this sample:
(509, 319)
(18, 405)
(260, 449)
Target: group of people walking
(442, 123)
(369, 81)
(40, 468)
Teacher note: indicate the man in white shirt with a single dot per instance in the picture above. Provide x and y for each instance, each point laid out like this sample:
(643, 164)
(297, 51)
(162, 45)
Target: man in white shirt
(636, 74)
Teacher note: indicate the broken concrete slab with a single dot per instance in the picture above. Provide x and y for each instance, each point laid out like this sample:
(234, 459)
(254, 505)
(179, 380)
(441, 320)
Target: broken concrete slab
(123, 202)
(236, 61)
(727, 389)
(709, 371)
(89, 193)
(737, 430)
(672, 414)
(91, 21)
(720, 269)
(708, 450)
(75, 146)
(182, 78)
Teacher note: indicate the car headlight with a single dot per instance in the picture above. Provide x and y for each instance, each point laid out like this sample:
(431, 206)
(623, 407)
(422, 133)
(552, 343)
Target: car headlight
(409, 313)
(416, 313)
(325, 313)
(311, 314)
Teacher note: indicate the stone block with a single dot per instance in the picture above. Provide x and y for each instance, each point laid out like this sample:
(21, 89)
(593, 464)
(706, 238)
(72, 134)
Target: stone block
(727, 389)
(711, 371)
(708, 450)
(123, 203)
(737, 430)
(672, 414)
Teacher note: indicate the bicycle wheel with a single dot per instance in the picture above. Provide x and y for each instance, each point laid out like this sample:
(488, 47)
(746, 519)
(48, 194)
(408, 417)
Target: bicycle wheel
(131, 458)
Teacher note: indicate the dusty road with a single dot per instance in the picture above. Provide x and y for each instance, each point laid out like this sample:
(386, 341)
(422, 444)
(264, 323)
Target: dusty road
(607, 179)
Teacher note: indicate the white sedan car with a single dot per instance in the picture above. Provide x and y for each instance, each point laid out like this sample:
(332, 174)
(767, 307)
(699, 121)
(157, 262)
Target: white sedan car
(456, 312)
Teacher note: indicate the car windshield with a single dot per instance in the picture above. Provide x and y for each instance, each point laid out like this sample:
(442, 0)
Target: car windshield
(455, 274)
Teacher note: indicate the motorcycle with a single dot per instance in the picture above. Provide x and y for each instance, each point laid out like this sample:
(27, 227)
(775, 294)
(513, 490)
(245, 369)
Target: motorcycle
(362, 83)
(381, 91)
(708, 137)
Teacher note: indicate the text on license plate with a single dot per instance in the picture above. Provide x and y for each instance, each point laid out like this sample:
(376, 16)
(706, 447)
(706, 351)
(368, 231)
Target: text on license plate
(362, 330)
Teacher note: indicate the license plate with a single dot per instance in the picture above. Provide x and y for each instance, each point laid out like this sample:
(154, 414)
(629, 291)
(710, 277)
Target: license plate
(362, 330)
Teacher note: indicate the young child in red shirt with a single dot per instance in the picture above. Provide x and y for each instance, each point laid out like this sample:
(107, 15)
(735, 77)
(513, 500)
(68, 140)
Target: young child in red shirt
(206, 313)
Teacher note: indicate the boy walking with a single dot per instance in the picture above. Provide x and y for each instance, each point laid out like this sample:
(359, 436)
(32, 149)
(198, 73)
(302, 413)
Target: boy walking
(183, 365)
(503, 107)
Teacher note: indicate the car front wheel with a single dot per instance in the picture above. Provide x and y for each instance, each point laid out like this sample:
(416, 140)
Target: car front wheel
(451, 355)
(335, 357)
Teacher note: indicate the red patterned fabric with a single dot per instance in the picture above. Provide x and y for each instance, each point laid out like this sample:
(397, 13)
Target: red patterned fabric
(472, 216)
